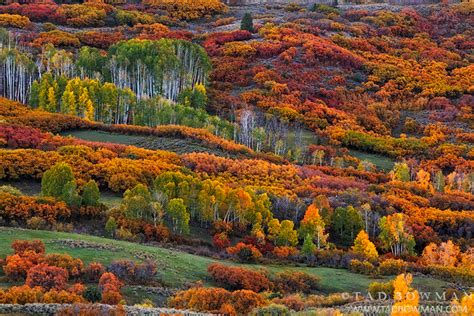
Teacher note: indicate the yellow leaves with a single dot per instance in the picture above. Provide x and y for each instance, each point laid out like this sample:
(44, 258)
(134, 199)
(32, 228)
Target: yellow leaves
(447, 254)
(239, 49)
(406, 298)
(363, 246)
(14, 20)
(463, 308)
(424, 179)
(189, 9)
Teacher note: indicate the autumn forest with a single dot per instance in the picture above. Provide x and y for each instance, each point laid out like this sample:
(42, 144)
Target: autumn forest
(185, 157)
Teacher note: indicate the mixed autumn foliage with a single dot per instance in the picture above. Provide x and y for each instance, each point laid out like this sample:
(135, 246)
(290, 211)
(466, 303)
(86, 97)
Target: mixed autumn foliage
(396, 84)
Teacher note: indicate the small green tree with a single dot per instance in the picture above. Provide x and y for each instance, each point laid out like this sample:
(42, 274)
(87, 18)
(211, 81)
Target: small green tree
(179, 215)
(287, 235)
(137, 202)
(92, 294)
(347, 223)
(55, 179)
(199, 97)
(401, 172)
(90, 194)
(111, 226)
(69, 194)
(247, 22)
(308, 246)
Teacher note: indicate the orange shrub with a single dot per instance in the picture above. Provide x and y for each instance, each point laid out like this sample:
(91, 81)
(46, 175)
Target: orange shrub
(111, 297)
(363, 267)
(77, 288)
(14, 20)
(189, 9)
(57, 38)
(94, 271)
(217, 300)
(392, 267)
(220, 241)
(21, 208)
(239, 49)
(16, 266)
(21, 295)
(293, 301)
(73, 266)
(235, 278)
(244, 301)
(62, 297)
(285, 252)
(100, 39)
(108, 282)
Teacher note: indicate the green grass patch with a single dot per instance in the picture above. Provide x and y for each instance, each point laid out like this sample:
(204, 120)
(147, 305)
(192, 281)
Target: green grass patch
(177, 268)
(381, 162)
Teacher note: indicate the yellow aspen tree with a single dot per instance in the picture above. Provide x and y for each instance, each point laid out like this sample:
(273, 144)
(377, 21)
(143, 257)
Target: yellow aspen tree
(406, 298)
(463, 308)
(363, 246)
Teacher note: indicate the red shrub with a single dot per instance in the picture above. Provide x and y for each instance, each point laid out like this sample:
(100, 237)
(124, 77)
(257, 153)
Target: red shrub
(235, 278)
(93, 272)
(47, 277)
(294, 281)
(20, 136)
(245, 253)
(22, 246)
(221, 241)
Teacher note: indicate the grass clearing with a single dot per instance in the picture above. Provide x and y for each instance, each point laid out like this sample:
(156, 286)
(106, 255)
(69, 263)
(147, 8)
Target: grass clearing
(178, 268)
(173, 144)
(382, 162)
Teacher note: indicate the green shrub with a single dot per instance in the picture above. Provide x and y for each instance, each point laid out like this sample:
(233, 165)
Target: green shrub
(272, 309)
(362, 267)
(377, 288)
(323, 8)
(392, 267)
(92, 294)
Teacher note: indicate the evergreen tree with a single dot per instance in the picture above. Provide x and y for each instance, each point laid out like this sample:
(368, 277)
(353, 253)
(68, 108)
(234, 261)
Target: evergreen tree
(90, 194)
(346, 223)
(247, 22)
(69, 194)
(55, 179)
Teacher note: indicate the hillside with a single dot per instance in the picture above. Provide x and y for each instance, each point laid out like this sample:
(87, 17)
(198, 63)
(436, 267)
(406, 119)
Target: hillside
(179, 268)
(254, 158)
